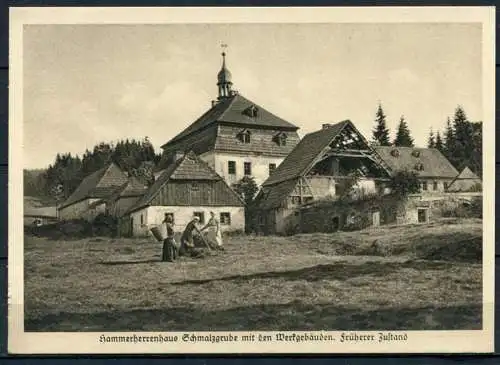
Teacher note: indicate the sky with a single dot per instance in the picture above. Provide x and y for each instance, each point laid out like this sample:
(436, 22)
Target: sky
(84, 84)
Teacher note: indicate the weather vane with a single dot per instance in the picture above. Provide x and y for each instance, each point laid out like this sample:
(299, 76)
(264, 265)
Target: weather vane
(223, 46)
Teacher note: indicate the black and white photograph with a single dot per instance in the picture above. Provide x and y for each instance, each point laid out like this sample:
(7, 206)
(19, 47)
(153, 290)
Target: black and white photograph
(240, 180)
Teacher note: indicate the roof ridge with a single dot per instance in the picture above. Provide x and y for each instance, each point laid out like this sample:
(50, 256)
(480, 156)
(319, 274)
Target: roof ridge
(232, 98)
(180, 136)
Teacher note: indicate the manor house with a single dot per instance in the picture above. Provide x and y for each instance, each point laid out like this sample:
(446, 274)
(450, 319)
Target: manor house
(236, 137)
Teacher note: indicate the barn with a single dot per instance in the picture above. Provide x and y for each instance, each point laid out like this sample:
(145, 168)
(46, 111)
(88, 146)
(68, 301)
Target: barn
(323, 165)
(125, 197)
(187, 187)
(89, 198)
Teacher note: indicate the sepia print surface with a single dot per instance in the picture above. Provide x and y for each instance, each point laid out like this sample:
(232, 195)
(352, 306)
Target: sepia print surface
(251, 180)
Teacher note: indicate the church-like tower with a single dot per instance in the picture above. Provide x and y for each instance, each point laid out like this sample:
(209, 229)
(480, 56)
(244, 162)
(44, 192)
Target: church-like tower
(224, 80)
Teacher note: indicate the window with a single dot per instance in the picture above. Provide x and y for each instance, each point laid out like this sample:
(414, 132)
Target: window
(445, 185)
(395, 153)
(200, 215)
(296, 200)
(247, 168)
(434, 185)
(195, 187)
(142, 219)
(415, 153)
(225, 218)
(424, 185)
(244, 136)
(280, 139)
(252, 111)
(272, 167)
(231, 167)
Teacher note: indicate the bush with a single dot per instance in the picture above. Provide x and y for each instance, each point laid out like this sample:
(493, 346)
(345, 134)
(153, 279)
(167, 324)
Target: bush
(464, 209)
(104, 225)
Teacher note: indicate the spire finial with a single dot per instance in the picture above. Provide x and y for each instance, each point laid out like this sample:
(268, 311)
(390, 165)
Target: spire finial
(224, 77)
(223, 46)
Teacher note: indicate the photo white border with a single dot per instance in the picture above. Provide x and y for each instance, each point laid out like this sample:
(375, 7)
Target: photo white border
(20, 342)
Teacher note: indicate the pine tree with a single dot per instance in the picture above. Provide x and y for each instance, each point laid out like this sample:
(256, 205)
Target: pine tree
(403, 137)
(464, 139)
(381, 132)
(449, 139)
(431, 141)
(439, 142)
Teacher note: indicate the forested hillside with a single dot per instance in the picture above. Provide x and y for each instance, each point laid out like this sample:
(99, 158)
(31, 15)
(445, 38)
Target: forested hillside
(61, 178)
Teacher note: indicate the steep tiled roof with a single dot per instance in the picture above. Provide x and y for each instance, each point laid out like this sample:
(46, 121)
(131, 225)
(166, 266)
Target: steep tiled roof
(232, 110)
(133, 187)
(304, 154)
(273, 196)
(434, 164)
(188, 168)
(100, 184)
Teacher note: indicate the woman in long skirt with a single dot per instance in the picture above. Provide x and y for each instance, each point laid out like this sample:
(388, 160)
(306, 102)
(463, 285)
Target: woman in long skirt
(169, 244)
(214, 224)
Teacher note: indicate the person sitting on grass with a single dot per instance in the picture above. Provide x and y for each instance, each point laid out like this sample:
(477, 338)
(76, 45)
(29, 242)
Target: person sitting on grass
(187, 239)
(170, 248)
(213, 223)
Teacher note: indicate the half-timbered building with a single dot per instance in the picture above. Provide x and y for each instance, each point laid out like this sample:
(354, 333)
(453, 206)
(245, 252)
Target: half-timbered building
(324, 164)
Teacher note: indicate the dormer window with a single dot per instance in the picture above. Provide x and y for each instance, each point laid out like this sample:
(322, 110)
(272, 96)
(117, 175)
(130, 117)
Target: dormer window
(395, 153)
(280, 139)
(415, 153)
(244, 136)
(252, 111)
(419, 167)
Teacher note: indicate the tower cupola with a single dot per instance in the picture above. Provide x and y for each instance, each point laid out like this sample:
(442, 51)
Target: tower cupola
(224, 82)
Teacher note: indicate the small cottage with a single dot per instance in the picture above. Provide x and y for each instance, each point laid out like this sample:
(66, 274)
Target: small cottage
(90, 197)
(188, 187)
(39, 216)
(466, 181)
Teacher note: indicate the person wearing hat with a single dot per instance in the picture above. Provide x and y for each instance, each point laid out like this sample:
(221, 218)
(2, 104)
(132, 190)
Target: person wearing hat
(214, 225)
(170, 248)
(187, 238)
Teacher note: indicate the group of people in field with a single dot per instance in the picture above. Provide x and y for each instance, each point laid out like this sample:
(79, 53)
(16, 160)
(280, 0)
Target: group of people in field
(172, 249)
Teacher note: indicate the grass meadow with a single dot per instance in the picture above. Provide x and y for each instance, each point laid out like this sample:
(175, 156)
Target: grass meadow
(409, 277)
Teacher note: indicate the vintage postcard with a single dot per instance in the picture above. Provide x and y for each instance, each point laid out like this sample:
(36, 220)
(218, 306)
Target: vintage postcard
(251, 180)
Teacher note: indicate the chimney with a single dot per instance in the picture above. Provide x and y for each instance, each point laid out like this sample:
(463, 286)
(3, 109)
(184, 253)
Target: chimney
(326, 125)
(178, 155)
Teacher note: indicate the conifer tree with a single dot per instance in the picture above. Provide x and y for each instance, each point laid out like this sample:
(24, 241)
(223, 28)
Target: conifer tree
(439, 142)
(403, 137)
(431, 141)
(381, 132)
(449, 139)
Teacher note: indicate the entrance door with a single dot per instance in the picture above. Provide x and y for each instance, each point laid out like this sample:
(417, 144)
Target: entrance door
(335, 224)
(376, 219)
(422, 215)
